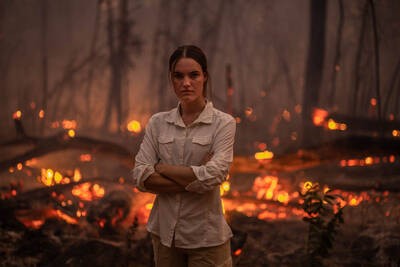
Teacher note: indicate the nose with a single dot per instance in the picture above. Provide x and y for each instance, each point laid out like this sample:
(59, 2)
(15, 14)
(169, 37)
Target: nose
(186, 81)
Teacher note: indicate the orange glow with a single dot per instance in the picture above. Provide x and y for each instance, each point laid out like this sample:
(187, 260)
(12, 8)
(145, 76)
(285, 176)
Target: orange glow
(66, 217)
(333, 125)
(85, 157)
(373, 102)
(17, 115)
(396, 133)
(77, 175)
(319, 115)
(88, 192)
(264, 155)
(224, 188)
(71, 133)
(286, 115)
(41, 114)
(134, 126)
(19, 166)
(262, 146)
(267, 187)
(369, 160)
(238, 120)
(57, 177)
(248, 111)
(149, 206)
(237, 252)
(298, 109)
(69, 124)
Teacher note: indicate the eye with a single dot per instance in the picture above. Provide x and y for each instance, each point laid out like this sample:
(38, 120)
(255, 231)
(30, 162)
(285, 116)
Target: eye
(177, 75)
(194, 74)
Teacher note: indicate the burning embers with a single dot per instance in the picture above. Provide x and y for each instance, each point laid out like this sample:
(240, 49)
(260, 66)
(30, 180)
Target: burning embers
(320, 118)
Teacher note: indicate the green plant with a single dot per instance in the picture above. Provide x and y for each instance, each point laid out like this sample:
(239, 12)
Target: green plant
(324, 215)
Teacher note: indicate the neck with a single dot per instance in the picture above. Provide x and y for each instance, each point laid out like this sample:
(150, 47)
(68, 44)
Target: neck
(193, 107)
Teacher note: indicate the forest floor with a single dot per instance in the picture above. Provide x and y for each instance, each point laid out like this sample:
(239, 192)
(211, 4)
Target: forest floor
(90, 221)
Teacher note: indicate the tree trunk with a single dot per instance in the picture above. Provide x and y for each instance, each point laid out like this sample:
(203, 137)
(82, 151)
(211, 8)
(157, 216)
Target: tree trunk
(336, 62)
(313, 76)
(44, 65)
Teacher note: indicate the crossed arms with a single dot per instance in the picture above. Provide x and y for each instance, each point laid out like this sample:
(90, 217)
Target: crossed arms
(172, 178)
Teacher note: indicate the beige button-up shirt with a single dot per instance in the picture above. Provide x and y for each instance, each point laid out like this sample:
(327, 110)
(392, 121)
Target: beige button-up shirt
(194, 218)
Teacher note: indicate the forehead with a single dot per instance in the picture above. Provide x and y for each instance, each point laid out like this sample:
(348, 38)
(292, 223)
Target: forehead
(187, 64)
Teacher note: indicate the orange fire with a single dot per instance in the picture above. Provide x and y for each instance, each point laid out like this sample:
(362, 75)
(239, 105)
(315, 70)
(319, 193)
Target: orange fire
(88, 192)
(319, 115)
(264, 155)
(85, 157)
(17, 115)
(134, 126)
(268, 187)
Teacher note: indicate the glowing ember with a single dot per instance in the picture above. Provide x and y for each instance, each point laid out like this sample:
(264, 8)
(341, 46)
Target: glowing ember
(85, 157)
(69, 124)
(41, 114)
(319, 115)
(77, 175)
(71, 133)
(367, 161)
(267, 187)
(225, 187)
(396, 133)
(264, 155)
(88, 192)
(19, 166)
(333, 125)
(237, 252)
(17, 115)
(134, 126)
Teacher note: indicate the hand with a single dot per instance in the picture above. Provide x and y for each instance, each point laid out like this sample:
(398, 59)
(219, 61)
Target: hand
(207, 157)
(158, 166)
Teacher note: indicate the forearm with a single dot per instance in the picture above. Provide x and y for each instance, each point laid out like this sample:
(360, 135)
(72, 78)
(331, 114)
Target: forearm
(160, 184)
(181, 175)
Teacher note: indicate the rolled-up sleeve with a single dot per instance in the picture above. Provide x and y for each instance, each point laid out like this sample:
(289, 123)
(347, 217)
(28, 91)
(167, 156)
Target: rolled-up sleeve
(215, 171)
(146, 157)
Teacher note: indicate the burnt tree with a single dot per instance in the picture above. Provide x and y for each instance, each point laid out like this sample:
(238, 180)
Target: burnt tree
(313, 75)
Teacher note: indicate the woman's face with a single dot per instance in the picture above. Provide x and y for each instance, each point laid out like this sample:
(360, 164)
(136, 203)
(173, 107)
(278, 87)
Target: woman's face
(188, 80)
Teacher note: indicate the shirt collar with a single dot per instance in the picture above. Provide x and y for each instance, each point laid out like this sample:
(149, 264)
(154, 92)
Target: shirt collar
(205, 116)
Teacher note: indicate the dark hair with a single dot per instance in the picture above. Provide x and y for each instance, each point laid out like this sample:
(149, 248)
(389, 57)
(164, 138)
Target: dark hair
(193, 52)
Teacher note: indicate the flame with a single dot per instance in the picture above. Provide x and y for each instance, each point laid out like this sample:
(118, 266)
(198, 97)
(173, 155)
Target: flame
(369, 160)
(224, 188)
(77, 175)
(319, 115)
(69, 124)
(134, 126)
(373, 102)
(396, 133)
(41, 114)
(19, 166)
(17, 115)
(267, 187)
(88, 192)
(71, 133)
(264, 155)
(333, 125)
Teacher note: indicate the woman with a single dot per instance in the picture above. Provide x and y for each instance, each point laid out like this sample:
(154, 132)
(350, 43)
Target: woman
(184, 157)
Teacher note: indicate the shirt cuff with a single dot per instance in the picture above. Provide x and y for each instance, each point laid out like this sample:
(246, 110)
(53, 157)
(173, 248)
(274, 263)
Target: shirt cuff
(197, 185)
(149, 170)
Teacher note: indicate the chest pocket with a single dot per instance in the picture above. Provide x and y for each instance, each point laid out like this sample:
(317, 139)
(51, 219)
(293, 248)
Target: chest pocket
(165, 147)
(201, 145)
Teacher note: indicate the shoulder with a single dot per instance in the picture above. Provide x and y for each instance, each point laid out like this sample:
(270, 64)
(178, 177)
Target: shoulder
(221, 116)
(162, 116)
